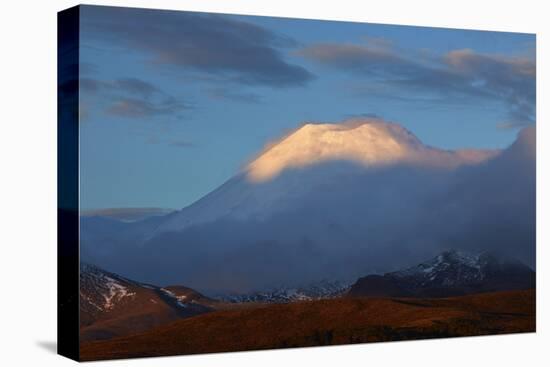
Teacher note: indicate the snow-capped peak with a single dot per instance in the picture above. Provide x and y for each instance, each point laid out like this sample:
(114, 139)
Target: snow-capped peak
(451, 267)
(370, 142)
(261, 190)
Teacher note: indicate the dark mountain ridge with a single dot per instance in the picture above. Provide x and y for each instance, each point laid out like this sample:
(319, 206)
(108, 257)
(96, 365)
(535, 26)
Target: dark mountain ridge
(451, 273)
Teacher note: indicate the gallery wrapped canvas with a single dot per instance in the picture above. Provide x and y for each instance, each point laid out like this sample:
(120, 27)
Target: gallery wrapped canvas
(233, 183)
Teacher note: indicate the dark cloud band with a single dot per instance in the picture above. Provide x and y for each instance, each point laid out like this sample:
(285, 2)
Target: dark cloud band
(244, 52)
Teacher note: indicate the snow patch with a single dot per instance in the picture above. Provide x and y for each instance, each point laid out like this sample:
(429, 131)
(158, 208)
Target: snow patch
(116, 292)
(180, 299)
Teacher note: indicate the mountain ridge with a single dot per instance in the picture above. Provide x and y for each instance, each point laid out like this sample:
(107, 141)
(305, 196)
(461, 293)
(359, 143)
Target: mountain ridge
(451, 273)
(112, 305)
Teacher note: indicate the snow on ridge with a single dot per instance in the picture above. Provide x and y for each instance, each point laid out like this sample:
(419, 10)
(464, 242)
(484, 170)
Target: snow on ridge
(180, 299)
(314, 291)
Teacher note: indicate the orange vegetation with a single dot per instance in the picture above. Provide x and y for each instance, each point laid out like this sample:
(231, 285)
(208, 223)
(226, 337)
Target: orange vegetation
(327, 322)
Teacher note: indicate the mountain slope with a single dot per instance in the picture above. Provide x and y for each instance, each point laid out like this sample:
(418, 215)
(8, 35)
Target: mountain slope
(450, 273)
(111, 305)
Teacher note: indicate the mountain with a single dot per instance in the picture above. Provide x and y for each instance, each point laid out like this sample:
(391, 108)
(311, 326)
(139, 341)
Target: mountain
(448, 274)
(330, 201)
(285, 170)
(316, 291)
(111, 305)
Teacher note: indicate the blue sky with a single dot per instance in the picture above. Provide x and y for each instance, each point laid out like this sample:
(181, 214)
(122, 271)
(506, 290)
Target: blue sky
(174, 103)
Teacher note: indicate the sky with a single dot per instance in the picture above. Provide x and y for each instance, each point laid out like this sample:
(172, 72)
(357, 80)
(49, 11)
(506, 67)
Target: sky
(173, 104)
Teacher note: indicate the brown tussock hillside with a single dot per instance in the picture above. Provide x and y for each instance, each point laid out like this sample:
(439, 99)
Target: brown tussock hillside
(328, 322)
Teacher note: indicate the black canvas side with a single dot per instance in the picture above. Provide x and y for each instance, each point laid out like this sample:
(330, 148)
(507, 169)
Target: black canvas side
(67, 184)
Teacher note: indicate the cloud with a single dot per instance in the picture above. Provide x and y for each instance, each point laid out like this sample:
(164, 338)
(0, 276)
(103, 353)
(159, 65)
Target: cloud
(177, 143)
(136, 86)
(139, 108)
(459, 75)
(374, 61)
(132, 97)
(126, 85)
(181, 143)
(511, 79)
(213, 44)
(368, 115)
(87, 68)
(125, 214)
(494, 205)
(232, 95)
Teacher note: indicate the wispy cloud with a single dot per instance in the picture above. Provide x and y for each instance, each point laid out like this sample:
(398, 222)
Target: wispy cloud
(233, 95)
(368, 115)
(206, 43)
(460, 75)
(181, 143)
(132, 97)
(126, 85)
(125, 214)
(177, 143)
(139, 108)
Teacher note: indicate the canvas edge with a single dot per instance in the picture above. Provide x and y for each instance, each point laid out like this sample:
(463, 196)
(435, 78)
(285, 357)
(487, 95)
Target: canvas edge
(68, 46)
